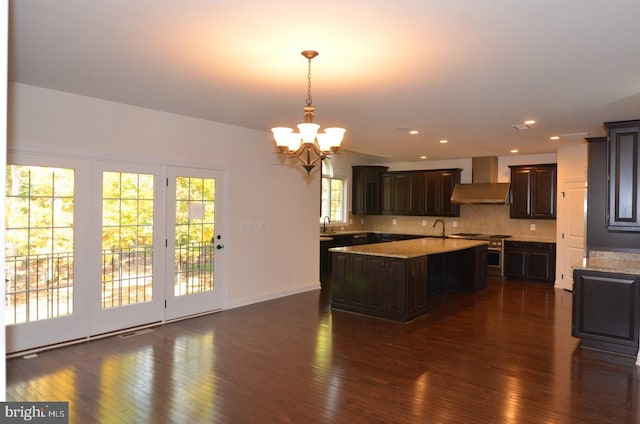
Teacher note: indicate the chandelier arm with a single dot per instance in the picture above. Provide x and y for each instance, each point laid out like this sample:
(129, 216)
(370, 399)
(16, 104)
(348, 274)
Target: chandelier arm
(304, 154)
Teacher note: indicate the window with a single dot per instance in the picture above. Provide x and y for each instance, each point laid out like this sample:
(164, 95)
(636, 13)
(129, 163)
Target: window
(127, 238)
(333, 195)
(39, 233)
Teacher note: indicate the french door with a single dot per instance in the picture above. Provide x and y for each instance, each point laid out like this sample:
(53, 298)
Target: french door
(95, 247)
(127, 235)
(44, 268)
(195, 243)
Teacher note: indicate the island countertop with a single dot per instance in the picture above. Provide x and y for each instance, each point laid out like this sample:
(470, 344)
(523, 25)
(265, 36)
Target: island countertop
(410, 248)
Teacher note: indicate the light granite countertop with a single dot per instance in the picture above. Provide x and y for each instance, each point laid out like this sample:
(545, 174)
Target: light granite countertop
(615, 262)
(410, 248)
(531, 239)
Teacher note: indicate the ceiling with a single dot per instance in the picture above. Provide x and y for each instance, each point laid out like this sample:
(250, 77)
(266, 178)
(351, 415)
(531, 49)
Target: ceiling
(465, 71)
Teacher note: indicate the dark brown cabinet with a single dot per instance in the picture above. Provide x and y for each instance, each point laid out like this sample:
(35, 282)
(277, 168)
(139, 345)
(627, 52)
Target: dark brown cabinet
(366, 190)
(425, 193)
(337, 240)
(381, 286)
(624, 172)
(530, 261)
(605, 311)
(533, 191)
(438, 187)
(397, 288)
(396, 193)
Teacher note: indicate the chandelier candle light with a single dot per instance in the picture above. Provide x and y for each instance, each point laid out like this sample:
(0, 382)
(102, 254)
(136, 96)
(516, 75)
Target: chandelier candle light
(307, 145)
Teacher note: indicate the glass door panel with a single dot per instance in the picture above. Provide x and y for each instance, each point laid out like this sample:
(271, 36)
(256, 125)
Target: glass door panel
(39, 256)
(129, 292)
(195, 240)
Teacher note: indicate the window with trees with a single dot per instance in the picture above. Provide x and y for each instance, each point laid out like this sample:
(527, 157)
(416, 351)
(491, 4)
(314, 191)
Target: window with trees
(127, 238)
(39, 243)
(333, 196)
(195, 231)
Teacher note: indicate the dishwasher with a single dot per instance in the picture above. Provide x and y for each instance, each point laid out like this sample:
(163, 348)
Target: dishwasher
(360, 239)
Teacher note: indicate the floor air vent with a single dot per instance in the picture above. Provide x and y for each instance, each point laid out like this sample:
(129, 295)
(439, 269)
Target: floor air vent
(135, 333)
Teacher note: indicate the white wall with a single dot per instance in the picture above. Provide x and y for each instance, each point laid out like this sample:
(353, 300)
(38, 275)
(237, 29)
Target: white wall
(3, 143)
(265, 261)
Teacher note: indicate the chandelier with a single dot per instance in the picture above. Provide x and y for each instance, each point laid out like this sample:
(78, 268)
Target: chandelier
(307, 145)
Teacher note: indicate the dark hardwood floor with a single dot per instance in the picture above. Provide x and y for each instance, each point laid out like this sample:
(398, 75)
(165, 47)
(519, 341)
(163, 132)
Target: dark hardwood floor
(502, 355)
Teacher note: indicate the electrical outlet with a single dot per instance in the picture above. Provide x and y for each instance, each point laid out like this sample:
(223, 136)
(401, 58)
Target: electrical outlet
(424, 222)
(361, 220)
(532, 227)
(393, 221)
(454, 224)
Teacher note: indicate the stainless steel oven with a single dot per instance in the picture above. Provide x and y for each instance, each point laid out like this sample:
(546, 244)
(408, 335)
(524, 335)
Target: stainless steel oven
(495, 250)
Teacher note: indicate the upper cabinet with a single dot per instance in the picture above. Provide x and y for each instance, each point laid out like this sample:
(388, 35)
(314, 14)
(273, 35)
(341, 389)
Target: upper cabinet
(424, 193)
(438, 187)
(396, 193)
(624, 188)
(367, 190)
(533, 191)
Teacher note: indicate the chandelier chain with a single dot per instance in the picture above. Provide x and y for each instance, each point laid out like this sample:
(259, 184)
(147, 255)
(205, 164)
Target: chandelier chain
(309, 100)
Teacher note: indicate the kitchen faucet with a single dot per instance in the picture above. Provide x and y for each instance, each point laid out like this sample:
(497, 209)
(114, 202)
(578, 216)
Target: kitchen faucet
(324, 223)
(434, 226)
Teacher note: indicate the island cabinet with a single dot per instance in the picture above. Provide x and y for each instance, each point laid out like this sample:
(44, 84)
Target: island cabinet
(624, 173)
(337, 240)
(530, 261)
(392, 280)
(606, 311)
(366, 190)
(390, 288)
(533, 191)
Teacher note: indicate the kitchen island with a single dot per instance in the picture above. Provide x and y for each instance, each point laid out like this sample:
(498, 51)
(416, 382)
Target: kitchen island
(606, 302)
(392, 280)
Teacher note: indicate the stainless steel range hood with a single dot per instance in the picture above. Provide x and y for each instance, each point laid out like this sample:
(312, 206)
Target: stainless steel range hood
(485, 188)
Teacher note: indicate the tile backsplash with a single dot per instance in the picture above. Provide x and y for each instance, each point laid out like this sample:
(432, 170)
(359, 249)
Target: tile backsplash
(485, 219)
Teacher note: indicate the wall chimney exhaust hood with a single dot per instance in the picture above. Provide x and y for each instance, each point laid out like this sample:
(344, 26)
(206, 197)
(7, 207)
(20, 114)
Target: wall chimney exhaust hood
(485, 188)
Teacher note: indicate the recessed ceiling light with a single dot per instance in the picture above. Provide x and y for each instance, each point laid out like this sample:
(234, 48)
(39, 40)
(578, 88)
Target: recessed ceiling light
(514, 150)
(423, 157)
(413, 132)
(555, 137)
(529, 122)
(444, 141)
